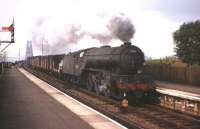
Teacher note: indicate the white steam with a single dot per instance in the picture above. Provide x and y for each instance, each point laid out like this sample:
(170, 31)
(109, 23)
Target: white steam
(56, 39)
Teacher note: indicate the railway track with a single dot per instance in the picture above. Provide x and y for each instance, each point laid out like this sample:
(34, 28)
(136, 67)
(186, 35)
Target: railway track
(136, 117)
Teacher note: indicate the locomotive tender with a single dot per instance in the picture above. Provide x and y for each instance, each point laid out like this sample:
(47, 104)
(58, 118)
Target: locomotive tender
(111, 71)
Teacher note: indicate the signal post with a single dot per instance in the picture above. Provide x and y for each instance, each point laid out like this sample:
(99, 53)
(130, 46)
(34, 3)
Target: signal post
(10, 29)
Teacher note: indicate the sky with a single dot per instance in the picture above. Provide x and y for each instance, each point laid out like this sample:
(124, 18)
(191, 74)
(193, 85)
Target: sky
(67, 25)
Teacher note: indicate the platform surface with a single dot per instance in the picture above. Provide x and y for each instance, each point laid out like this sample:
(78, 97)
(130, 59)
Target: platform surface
(27, 102)
(181, 87)
(179, 90)
(25, 106)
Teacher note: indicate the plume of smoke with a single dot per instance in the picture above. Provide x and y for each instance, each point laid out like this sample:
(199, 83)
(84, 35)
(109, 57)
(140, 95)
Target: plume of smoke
(73, 33)
(103, 38)
(121, 28)
(118, 27)
(58, 42)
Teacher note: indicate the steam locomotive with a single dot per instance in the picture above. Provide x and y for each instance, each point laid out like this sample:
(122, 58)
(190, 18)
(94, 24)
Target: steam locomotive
(110, 71)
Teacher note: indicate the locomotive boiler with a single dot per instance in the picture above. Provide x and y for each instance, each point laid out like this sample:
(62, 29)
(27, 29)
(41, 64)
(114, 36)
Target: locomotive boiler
(126, 59)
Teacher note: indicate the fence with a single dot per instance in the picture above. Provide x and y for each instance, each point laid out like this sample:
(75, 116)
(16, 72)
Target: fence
(178, 74)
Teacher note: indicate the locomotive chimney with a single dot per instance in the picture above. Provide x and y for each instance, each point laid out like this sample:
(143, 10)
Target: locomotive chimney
(127, 43)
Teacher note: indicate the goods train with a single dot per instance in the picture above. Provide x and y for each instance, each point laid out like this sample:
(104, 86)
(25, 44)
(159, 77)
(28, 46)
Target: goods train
(110, 71)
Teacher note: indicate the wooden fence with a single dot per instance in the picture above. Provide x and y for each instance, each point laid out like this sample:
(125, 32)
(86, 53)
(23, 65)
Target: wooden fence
(177, 74)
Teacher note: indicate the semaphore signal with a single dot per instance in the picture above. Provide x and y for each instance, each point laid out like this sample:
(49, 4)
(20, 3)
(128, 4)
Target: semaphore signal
(10, 29)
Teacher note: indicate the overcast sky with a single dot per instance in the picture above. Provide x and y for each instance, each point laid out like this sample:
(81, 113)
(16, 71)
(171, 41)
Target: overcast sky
(50, 21)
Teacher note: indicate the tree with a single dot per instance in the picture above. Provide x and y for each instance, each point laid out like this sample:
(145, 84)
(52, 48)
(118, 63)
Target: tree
(187, 41)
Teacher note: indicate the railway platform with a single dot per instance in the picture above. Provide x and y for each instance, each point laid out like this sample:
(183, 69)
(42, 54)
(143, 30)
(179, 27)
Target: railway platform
(179, 97)
(180, 87)
(27, 102)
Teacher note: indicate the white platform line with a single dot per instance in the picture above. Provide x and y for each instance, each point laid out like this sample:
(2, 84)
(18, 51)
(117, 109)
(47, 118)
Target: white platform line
(82, 110)
(177, 93)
